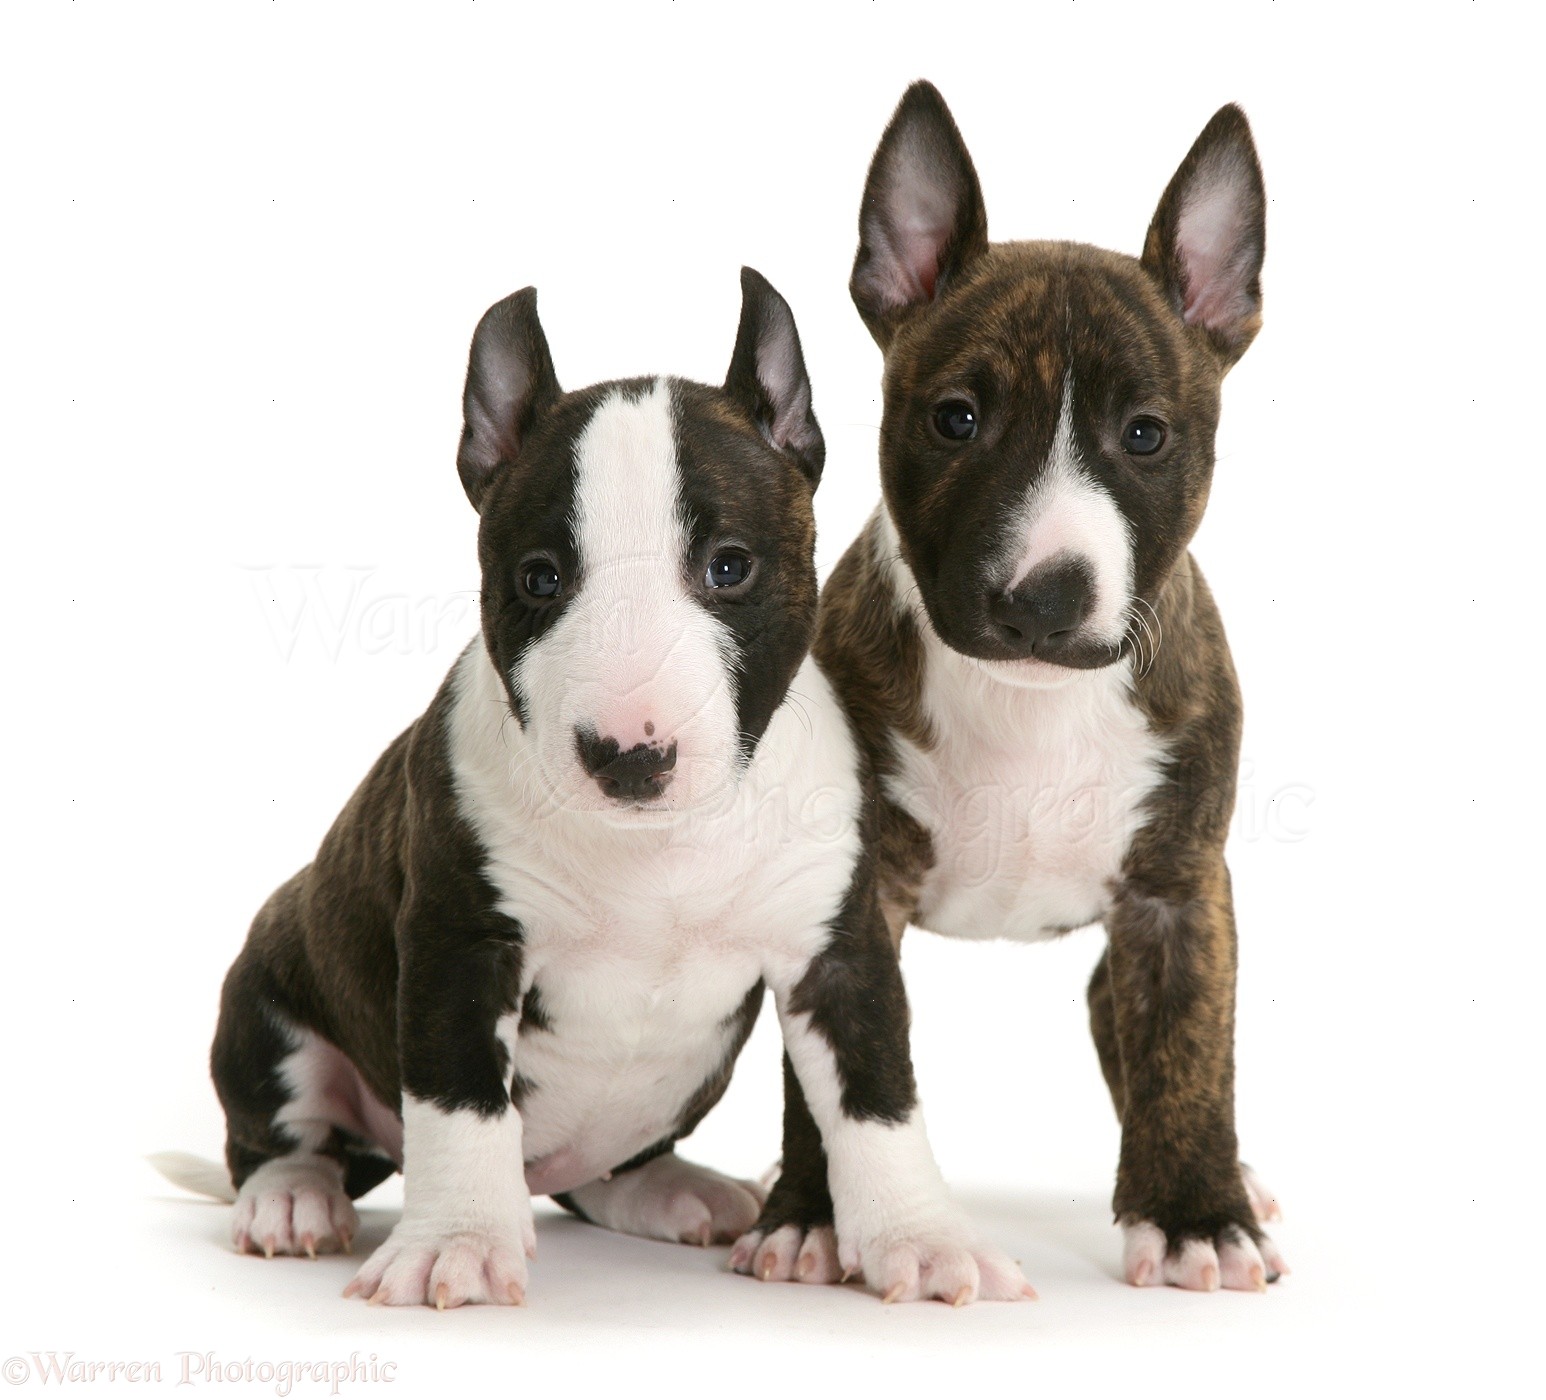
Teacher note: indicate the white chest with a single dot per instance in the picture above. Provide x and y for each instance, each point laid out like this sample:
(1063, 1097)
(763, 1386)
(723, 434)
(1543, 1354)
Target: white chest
(1031, 796)
(638, 1010)
(642, 945)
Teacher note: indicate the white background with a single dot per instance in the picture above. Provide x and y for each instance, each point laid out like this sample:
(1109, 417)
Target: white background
(245, 247)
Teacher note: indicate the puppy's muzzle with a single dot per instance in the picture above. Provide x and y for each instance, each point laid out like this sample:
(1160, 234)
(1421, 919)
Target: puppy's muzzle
(1042, 614)
(637, 774)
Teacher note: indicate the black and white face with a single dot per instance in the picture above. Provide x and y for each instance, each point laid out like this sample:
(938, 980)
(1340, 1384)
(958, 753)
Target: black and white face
(1050, 409)
(647, 549)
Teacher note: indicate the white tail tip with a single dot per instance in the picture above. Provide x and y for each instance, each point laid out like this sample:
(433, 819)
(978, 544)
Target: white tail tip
(196, 1174)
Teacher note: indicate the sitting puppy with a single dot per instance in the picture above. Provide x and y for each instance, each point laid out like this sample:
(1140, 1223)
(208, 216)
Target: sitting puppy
(533, 943)
(1032, 659)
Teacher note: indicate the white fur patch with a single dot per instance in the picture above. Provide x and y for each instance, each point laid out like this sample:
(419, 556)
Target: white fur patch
(458, 1167)
(641, 973)
(196, 1174)
(633, 657)
(672, 1199)
(894, 1219)
(324, 1091)
(294, 1205)
(1067, 514)
(466, 1230)
(1032, 794)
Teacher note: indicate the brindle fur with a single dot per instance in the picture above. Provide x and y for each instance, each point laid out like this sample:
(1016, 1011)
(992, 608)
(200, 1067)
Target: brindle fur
(1009, 324)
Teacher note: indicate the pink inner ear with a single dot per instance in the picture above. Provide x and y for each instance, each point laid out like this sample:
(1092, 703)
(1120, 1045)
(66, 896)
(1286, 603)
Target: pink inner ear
(1212, 243)
(905, 274)
(921, 201)
(778, 367)
(921, 251)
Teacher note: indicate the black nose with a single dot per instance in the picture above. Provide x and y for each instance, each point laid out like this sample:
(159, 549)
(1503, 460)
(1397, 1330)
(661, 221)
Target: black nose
(1044, 611)
(627, 775)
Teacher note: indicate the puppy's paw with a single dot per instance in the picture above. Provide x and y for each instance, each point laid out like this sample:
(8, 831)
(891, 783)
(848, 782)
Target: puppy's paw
(942, 1262)
(444, 1267)
(294, 1205)
(789, 1254)
(672, 1199)
(1264, 1205)
(1230, 1258)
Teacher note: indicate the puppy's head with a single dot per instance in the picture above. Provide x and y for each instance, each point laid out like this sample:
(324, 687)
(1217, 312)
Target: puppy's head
(647, 548)
(1050, 408)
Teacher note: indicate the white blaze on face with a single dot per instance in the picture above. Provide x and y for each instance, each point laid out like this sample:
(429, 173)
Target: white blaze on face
(633, 656)
(1068, 514)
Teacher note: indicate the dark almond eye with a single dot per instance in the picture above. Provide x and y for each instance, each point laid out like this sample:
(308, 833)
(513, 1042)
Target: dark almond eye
(955, 420)
(1143, 437)
(540, 579)
(728, 568)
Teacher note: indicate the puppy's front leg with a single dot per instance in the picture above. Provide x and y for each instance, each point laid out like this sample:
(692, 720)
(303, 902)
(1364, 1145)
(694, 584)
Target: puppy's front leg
(466, 1229)
(1180, 1197)
(845, 1030)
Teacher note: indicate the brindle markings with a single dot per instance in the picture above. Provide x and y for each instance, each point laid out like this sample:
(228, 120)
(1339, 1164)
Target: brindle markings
(1010, 325)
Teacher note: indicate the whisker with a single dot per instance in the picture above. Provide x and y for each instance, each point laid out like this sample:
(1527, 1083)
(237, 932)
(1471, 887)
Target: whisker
(1159, 629)
(1145, 642)
(799, 704)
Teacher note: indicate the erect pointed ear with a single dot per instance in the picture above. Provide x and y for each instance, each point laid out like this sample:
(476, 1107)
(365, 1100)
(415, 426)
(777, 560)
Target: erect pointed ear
(922, 219)
(509, 380)
(1209, 234)
(767, 375)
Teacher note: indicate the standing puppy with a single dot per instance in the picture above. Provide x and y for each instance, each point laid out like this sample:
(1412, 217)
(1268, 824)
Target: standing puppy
(531, 946)
(1031, 657)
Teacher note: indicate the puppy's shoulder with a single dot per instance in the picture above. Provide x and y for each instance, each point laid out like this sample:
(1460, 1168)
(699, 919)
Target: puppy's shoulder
(870, 647)
(1190, 679)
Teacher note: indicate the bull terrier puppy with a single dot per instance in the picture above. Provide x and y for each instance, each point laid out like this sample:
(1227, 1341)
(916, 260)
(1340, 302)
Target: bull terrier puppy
(532, 944)
(1033, 663)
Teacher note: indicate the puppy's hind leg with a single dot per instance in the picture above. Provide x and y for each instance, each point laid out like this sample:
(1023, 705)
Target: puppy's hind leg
(668, 1198)
(304, 1136)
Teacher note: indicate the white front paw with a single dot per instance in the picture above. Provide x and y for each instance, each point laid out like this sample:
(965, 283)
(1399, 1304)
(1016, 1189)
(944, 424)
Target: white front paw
(933, 1261)
(447, 1264)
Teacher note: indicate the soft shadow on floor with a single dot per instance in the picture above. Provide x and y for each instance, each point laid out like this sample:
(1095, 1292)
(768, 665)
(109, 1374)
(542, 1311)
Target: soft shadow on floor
(1046, 1230)
(1040, 1221)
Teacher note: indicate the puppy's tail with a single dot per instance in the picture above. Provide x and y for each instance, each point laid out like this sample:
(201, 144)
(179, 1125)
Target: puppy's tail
(196, 1174)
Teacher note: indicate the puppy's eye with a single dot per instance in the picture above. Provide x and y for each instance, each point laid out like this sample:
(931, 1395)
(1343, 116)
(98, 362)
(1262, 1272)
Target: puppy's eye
(1143, 437)
(540, 579)
(955, 420)
(728, 568)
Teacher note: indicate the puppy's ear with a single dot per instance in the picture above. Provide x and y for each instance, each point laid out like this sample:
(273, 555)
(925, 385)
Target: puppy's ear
(767, 375)
(1209, 234)
(922, 219)
(510, 380)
